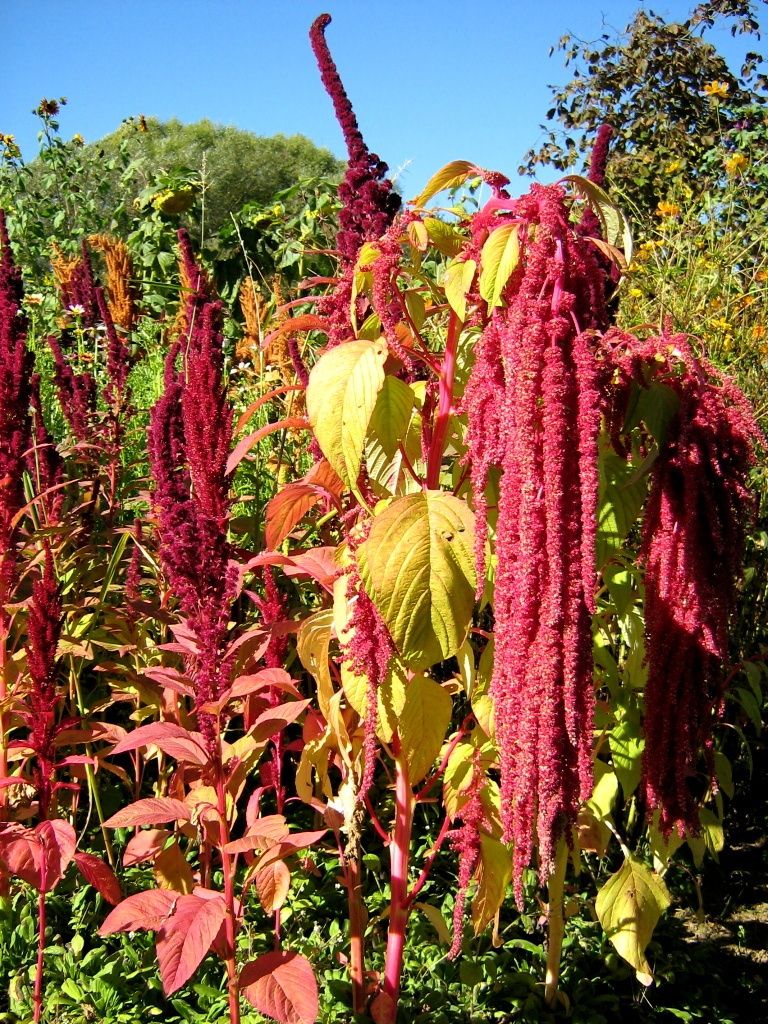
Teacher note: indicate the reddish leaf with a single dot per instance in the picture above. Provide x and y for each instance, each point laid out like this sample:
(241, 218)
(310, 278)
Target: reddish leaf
(21, 852)
(144, 846)
(243, 686)
(170, 679)
(319, 563)
(302, 322)
(154, 810)
(262, 834)
(272, 884)
(186, 936)
(100, 876)
(285, 847)
(281, 985)
(287, 509)
(143, 911)
(241, 449)
(274, 720)
(172, 739)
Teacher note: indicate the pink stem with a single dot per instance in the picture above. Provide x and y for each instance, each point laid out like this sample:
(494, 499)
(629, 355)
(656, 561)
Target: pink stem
(421, 880)
(41, 922)
(445, 402)
(399, 910)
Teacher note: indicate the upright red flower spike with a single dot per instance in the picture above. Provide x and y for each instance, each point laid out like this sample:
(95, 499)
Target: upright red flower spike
(533, 404)
(189, 440)
(15, 423)
(692, 549)
(43, 631)
(369, 203)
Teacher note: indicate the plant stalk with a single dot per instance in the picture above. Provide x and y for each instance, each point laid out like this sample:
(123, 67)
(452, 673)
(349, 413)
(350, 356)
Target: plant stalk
(399, 909)
(41, 923)
(555, 922)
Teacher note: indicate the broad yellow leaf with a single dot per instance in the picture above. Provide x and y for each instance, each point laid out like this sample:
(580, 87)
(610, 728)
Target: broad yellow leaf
(498, 259)
(390, 699)
(456, 283)
(628, 907)
(423, 722)
(313, 642)
(450, 176)
(418, 568)
(493, 874)
(343, 389)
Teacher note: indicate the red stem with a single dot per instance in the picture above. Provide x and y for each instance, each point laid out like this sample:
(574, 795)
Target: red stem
(228, 866)
(421, 880)
(444, 404)
(399, 909)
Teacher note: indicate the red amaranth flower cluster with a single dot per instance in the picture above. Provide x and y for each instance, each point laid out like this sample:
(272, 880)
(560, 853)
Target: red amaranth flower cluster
(368, 649)
(15, 422)
(533, 404)
(465, 841)
(44, 463)
(189, 441)
(43, 631)
(76, 391)
(692, 549)
(369, 203)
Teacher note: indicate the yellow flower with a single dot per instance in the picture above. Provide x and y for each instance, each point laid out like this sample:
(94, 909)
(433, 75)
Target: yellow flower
(667, 209)
(717, 89)
(721, 324)
(8, 142)
(78, 139)
(761, 275)
(735, 164)
(759, 332)
(728, 342)
(673, 166)
(636, 293)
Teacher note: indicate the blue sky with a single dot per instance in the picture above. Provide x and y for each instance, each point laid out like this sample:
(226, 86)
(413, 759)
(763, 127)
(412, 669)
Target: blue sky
(431, 80)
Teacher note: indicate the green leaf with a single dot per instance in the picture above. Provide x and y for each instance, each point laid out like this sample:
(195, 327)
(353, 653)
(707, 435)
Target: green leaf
(498, 259)
(657, 406)
(626, 745)
(391, 415)
(423, 723)
(450, 176)
(457, 282)
(418, 568)
(445, 237)
(343, 389)
(628, 907)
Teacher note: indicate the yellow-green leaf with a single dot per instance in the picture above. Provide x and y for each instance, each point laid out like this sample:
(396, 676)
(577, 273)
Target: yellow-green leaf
(423, 723)
(450, 176)
(436, 919)
(628, 907)
(498, 259)
(312, 644)
(493, 873)
(445, 237)
(390, 699)
(343, 389)
(418, 568)
(456, 283)
(614, 224)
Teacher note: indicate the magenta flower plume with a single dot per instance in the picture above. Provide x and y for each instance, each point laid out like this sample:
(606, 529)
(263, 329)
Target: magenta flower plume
(466, 843)
(189, 441)
(533, 405)
(44, 462)
(43, 631)
(369, 202)
(76, 391)
(368, 649)
(118, 356)
(692, 550)
(590, 225)
(81, 290)
(15, 422)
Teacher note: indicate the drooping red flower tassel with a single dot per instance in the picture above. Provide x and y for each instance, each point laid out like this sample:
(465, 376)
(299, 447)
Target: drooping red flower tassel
(692, 549)
(15, 423)
(533, 404)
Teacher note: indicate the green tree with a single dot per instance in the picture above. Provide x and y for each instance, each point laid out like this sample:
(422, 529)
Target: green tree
(232, 166)
(666, 92)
